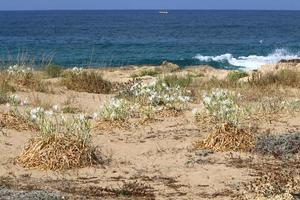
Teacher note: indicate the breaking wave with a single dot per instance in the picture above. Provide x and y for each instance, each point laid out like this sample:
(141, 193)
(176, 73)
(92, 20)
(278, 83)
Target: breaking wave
(250, 62)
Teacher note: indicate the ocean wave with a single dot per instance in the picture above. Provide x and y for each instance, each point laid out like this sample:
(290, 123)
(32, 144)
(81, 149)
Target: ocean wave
(250, 62)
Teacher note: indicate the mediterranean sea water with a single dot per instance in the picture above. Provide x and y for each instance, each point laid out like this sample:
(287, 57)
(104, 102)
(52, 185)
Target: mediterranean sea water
(224, 39)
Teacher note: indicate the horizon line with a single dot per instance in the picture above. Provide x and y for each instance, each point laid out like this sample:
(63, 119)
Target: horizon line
(148, 10)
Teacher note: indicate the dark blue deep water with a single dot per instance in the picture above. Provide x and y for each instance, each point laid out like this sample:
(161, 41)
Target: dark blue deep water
(116, 38)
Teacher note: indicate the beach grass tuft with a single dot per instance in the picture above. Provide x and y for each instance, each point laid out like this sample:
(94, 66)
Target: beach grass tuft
(53, 71)
(84, 81)
(227, 138)
(58, 152)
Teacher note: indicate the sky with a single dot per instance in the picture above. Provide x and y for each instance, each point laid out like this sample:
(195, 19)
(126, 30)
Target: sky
(149, 4)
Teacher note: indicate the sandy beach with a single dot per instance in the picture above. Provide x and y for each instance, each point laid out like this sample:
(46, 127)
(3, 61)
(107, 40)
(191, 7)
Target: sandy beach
(153, 154)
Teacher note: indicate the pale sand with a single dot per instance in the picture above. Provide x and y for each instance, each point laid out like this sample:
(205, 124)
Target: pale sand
(159, 153)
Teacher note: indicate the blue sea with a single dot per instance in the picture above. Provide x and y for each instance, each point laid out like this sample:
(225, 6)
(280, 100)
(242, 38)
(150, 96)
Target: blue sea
(223, 39)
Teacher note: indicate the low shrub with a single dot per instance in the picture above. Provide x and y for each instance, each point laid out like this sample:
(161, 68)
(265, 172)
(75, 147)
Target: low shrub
(227, 134)
(70, 110)
(60, 143)
(3, 97)
(145, 72)
(222, 105)
(158, 93)
(288, 78)
(53, 71)
(175, 80)
(227, 138)
(274, 105)
(236, 75)
(18, 77)
(278, 145)
(115, 110)
(91, 82)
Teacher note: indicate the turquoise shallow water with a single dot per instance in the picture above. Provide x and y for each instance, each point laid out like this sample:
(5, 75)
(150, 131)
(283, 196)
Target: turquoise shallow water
(225, 39)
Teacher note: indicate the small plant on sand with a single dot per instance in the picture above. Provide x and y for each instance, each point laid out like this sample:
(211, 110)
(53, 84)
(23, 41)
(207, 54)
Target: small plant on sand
(236, 75)
(53, 71)
(84, 81)
(147, 112)
(273, 105)
(3, 97)
(182, 81)
(222, 106)
(159, 94)
(20, 76)
(145, 72)
(60, 144)
(115, 110)
(287, 78)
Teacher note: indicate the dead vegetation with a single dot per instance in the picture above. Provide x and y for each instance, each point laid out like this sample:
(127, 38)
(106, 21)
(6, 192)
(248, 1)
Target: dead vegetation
(91, 82)
(255, 86)
(277, 170)
(228, 138)
(279, 146)
(78, 189)
(32, 81)
(12, 121)
(273, 177)
(58, 152)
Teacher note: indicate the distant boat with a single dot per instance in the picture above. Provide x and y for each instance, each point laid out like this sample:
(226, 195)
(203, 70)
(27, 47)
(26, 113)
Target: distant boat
(163, 12)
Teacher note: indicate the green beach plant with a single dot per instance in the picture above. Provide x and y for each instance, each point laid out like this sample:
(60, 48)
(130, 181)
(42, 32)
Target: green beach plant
(61, 143)
(145, 72)
(158, 93)
(222, 105)
(236, 75)
(115, 110)
(182, 81)
(53, 71)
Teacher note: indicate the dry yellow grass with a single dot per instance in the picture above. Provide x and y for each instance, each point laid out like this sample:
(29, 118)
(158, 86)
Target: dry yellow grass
(11, 121)
(58, 152)
(227, 138)
(91, 82)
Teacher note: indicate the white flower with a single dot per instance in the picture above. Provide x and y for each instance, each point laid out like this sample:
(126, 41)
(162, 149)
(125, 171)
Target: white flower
(62, 118)
(36, 111)
(55, 108)
(207, 99)
(33, 116)
(7, 105)
(14, 97)
(95, 115)
(82, 117)
(24, 103)
(49, 112)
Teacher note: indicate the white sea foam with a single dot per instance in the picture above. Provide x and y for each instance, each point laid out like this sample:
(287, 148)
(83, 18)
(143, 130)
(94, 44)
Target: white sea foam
(250, 62)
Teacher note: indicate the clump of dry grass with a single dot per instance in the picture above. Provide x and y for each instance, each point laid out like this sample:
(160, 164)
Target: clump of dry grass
(11, 121)
(145, 72)
(60, 144)
(136, 189)
(227, 138)
(58, 152)
(287, 78)
(5, 85)
(3, 97)
(23, 80)
(274, 177)
(257, 85)
(84, 81)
